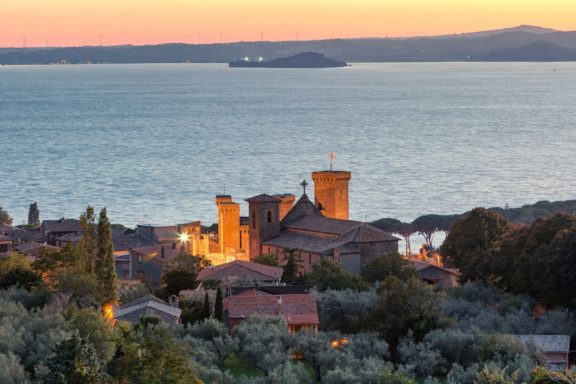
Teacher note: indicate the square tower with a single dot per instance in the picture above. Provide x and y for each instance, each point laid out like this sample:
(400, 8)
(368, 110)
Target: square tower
(264, 221)
(331, 193)
(228, 223)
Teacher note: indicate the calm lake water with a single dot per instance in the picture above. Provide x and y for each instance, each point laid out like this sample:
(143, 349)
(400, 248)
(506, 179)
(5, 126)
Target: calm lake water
(156, 143)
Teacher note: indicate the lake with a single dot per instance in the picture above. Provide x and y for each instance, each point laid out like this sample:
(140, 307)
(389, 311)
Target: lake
(156, 143)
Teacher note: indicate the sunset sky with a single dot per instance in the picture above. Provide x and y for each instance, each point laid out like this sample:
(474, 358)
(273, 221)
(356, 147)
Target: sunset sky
(89, 22)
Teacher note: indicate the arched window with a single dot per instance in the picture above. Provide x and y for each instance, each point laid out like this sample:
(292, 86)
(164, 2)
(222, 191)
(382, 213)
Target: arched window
(269, 216)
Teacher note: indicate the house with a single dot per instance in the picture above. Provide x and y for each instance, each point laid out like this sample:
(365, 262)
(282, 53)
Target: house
(270, 290)
(18, 235)
(50, 230)
(5, 245)
(34, 249)
(435, 275)
(125, 239)
(71, 239)
(146, 263)
(166, 234)
(147, 306)
(299, 311)
(242, 271)
(555, 348)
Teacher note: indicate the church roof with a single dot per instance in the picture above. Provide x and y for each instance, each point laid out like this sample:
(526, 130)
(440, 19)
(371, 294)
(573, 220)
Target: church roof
(305, 228)
(309, 243)
(303, 207)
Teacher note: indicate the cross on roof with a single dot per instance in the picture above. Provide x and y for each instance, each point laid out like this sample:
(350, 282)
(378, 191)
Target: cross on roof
(304, 184)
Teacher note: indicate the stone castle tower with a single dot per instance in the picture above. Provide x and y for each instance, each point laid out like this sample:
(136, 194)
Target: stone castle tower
(331, 193)
(264, 221)
(228, 223)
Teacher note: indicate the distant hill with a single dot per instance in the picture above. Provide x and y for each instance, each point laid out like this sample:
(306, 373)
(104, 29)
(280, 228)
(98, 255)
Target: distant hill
(521, 28)
(538, 51)
(526, 43)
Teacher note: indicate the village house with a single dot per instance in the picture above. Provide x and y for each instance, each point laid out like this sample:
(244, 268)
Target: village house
(555, 348)
(5, 245)
(435, 275)
(34, 249)
(242, 271)
(148, 306)
(312, 231)
(51, 230)
(147, 263)
(69, 239)
(299, 311)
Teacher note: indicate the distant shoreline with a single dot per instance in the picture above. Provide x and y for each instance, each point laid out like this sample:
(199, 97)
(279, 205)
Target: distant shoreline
(518, 44)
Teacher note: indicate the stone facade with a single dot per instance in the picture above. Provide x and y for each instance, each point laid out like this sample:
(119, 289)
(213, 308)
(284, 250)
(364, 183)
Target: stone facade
(331, 193)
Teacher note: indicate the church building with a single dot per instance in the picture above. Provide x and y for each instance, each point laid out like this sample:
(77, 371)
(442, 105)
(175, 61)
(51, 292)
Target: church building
(313, 230)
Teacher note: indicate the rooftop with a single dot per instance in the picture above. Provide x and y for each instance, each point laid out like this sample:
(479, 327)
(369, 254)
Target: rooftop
(296, 309)
(241, 269)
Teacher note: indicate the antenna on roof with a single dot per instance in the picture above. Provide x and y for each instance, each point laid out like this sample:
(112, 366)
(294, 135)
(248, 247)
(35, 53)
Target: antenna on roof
(331, 160)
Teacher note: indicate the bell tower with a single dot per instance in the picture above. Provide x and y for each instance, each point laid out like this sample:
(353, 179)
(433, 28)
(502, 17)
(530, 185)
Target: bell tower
(264, 221)
(331, 193)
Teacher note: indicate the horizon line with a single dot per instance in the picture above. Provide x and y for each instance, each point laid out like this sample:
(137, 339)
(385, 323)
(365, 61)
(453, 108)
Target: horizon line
(503, 30)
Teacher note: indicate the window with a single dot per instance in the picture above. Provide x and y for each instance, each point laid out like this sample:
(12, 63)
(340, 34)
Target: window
(309, 259)
(139, 258)
(3, 248)
(254, 220)
(269, 216)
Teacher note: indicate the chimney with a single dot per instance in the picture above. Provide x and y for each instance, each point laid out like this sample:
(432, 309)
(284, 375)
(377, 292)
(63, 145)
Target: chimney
(279, 304)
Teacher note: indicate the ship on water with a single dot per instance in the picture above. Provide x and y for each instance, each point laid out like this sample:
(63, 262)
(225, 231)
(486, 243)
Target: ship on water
(301, 60)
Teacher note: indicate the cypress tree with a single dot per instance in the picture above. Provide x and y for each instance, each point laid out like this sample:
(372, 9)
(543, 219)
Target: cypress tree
(105, 268)
(87, 245)
(34, 215)
(206, 314)
(219, 306)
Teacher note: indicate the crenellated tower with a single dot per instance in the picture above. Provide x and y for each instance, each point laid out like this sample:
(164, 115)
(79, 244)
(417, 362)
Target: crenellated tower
(228, 223)
(331, 193)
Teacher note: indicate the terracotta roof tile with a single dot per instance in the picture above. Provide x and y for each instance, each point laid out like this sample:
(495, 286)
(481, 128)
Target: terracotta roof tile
(240, 269)
(296, 309)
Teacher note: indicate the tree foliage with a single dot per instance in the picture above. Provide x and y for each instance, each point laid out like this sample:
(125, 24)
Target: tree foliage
(389, 264)
(406, 305)
(5, 217)
(105, 267)
(266, 259)
(75, 362)
(219, 306)
(264, 342)
(212, 340)
(472, 244)
(34, 215)
(151, 355)
(88, 244)
(329, 275)
(16, 271)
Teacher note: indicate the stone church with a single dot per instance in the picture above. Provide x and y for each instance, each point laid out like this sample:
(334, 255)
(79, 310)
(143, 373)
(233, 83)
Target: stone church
(313, 230)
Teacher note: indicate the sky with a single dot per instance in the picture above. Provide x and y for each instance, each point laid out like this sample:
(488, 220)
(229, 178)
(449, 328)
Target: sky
(112, 22)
